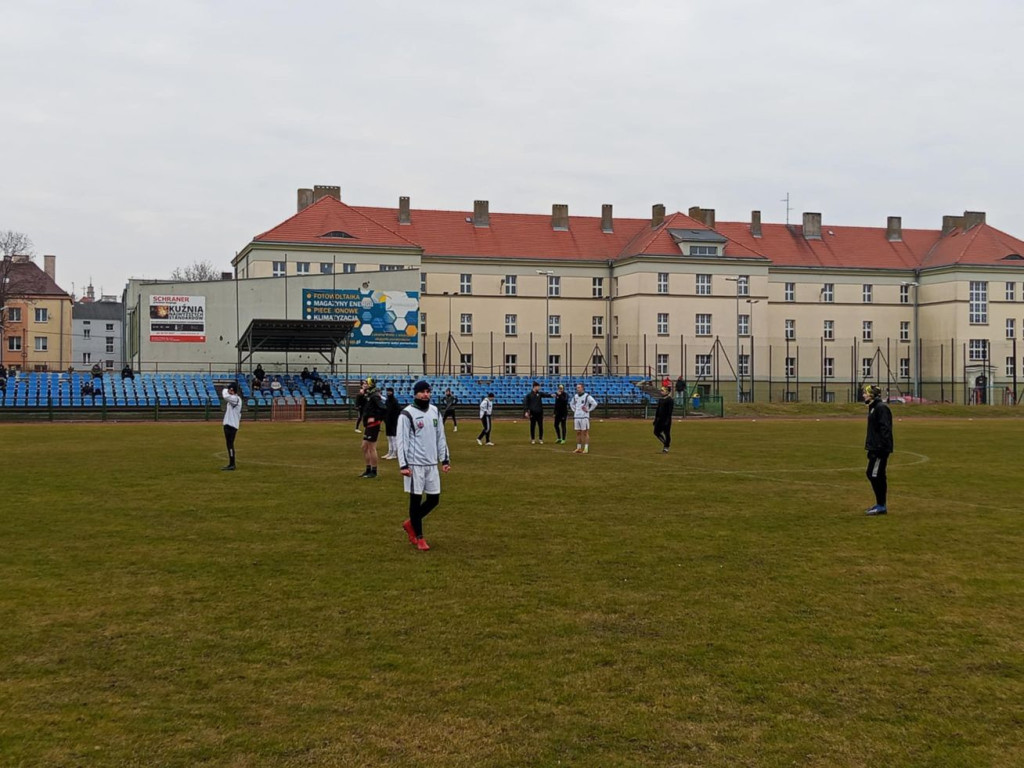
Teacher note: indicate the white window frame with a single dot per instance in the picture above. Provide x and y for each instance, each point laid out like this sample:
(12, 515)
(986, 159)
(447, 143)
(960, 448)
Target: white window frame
(702, 285)
(327, 268)
(1011, 291)
(1011, 327)
(348, 268)
(742, 364)
(663, 282)
(423, 323)
(828, 330)
(743, 285)
(904, 367)
(661, 364)
(1010, 365)
(743, 325)
(597, 287)
(597, 326)
(789, 292)
(466, 284)
(867, 365)
(828, 367)
(511, 325)
(789, 365)
(867, 293)
(790, 329)
(662, 323)
(554, 325)
(466, 362)
(14, 343)
(597, 364)
(466, 324)
(904, 330)
(110, 345)
(302, 267)
(511, 285)
(702, 366)
(904, 294)
(14, 315)
(511, 364)
(279, 268)
(828, 293)
(42, 315)
(977, 302)
(977, 350)
(703, 250)
(554, 365)
(702, 324)
(554, 286)
(867, 330)
(42, 343)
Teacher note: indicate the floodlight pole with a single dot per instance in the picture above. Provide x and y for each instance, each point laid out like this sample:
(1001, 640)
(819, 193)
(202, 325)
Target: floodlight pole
(917, 341)
(739, 385)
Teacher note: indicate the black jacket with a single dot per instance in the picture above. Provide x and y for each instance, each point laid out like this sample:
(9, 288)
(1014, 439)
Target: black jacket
(448, 403)
(562, 404)
(392, 411)
(664, 413)
(879, 439)
(533, 402)
(373, 410)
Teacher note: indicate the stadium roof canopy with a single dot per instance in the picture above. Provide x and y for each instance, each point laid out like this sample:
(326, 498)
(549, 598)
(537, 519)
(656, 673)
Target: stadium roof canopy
(323, 337)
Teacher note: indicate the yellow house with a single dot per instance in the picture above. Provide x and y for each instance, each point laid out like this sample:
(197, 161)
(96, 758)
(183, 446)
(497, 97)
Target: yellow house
(36, 331)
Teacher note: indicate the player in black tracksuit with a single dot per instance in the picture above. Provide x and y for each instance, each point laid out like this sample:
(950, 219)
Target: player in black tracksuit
(879, 446)
(663, 418)
(561, 411)
(533, 404)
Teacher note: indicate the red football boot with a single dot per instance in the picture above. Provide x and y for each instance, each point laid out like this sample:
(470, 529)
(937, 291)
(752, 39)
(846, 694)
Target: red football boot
(409, 531)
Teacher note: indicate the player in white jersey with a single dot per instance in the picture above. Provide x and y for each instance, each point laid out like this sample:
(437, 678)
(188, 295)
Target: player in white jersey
(232, 419)
(486, 409)
(582, 406)
(421, 445)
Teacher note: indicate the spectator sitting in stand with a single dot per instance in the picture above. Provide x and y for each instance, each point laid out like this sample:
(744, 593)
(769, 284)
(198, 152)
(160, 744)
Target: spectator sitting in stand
(259, 375)
(86, 389)
(315, 375)
(127, 372)
(305, 374)
(97, 371)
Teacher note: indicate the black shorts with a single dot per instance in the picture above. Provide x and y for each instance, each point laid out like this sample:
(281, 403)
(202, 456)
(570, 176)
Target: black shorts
(372, 433)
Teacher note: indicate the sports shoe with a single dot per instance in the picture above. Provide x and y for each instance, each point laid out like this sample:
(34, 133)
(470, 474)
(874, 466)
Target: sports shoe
(586, 449)
(358, 430)
(228, 468)
(542, 442)
(367, 473)
(533, 442)
(479, 441)
(421, 545)
(578, 450)
(876, 510)
(409, 531)
(456, 429)
(664, 450)
(489, 442)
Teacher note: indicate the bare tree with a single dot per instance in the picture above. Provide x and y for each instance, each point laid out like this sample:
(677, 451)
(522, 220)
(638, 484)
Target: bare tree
(15, 244)
(196, 272)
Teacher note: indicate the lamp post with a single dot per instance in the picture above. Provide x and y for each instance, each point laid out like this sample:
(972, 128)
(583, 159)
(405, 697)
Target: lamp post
(448, 350)
(750, 332)
(739, 386)
(547, 318)
(917, 344)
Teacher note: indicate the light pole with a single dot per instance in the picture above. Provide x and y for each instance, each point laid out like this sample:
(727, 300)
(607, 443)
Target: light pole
(739, 386)
(448, 351)
(750, 332)
(547, 318)
(917, 343)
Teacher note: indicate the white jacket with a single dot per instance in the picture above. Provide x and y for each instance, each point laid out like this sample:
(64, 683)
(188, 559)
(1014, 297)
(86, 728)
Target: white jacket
(421, 440)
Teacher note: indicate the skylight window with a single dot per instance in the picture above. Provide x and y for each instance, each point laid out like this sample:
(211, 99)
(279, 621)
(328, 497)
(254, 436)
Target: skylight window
(337, 233)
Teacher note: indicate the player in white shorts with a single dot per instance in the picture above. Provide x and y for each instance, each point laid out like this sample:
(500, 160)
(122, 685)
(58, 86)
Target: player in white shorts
(582, 406)
(421, 445)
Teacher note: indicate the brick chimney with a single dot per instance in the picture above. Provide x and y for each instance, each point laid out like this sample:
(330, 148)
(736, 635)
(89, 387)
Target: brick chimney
(705, 215)
(305, 199)
(324, 190)
(894, 229)
(755, 223)
(973, 218)
(50, 266)
(812, 226)
(606, 218)
(404, 214)
(657, 214)
(949, 223)
(560, 217)
(482, 214)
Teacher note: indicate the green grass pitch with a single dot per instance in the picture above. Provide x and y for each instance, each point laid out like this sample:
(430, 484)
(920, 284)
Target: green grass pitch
(727, 604)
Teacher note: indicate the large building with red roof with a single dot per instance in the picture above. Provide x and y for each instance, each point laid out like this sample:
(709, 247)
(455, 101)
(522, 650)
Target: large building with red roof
(805, 310)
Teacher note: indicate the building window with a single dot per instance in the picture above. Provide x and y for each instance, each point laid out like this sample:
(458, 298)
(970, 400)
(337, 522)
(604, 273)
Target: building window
(743, 285)
(703, 285)
(702, 325)
(867, 293)
(466, 284)
(828, 331)
(702, 366)
(14, 343)
(86, 333)
(348, 268)
(904, 294)
(110, 344)
(511, 288)
(597, 365)
(554, 286)
(554, 325)
(597, 326)
(661, 364)
(743, 366)
(703, 250)
(978, 303)
(904, 330)
(423, 323)
(615, 287)
(1011, 291)
(423, 282)
(110, 326)
(789, 292)
(466, 362)
(828, 293)
(867, 330)
(511, 361)
(866, 365)
(279, 269)
(390, 268)
(791, 329)
(302, 267)
(87, 357)
(511, 325)
(977, 350)
(554, 365)
(790, 367)
(828, 367)
(663, 282)
(42, 314)
(597, 288)
(904, 367)
(466, 324)
(663, 323)
(615, 326)
(41, 343)
(743, 325)
(326, 268)
(1011, 327)
(14, 315)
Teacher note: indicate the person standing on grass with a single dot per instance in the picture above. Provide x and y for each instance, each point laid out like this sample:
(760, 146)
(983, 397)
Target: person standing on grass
(392, 408)
(486, 409)
(360, 401)
(232, 419)
(373, 415)
(879, 446)
(421, 445)
(448, 409)
(582, 406)
(533, 405)
(663, 418)
(561, 410)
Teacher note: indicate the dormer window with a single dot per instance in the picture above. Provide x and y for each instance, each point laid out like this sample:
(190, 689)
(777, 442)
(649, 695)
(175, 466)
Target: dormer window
(337, 233)
(702, 250)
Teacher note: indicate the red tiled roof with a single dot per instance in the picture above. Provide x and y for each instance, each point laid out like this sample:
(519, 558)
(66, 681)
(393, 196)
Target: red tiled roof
(531, 236)
(27, 279)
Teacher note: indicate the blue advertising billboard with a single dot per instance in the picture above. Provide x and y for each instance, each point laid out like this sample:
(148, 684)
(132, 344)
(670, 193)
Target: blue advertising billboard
(382, 318)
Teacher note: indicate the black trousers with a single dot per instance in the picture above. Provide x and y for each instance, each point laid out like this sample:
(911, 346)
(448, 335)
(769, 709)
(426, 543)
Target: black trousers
(444, 418)
(420, 508)
(664, 433)
(537, 422)
(877, 463)
(560, 419)
(486, 432)
(229, 438)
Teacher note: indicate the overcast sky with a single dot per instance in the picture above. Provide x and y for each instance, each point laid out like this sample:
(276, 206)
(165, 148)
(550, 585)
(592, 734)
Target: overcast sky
(140, 136)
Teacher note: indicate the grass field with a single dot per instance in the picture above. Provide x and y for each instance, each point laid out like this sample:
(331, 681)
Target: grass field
(727, 604)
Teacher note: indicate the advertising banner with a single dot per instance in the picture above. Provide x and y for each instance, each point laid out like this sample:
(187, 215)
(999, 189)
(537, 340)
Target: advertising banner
(382, 318)
(177, 318)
